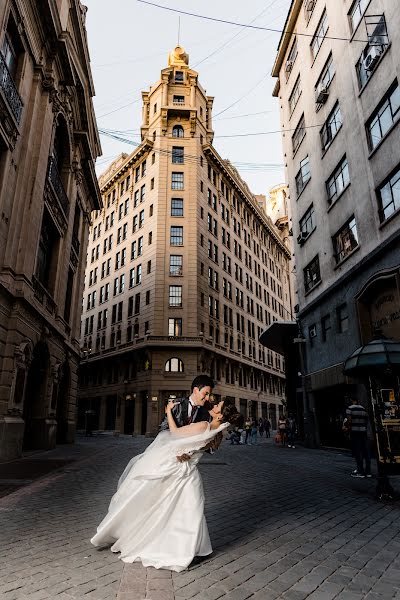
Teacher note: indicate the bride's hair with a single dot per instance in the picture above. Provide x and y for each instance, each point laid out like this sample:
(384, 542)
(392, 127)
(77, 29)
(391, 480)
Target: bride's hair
(231, 415)
(229, 412)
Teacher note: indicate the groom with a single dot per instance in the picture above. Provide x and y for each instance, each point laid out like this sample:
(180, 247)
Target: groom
(191, 410)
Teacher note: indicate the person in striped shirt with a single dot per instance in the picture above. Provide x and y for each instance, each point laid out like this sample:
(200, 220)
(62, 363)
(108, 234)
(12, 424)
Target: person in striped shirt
(357, 424)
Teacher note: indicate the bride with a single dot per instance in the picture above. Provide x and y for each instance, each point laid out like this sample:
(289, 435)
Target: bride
(157, 514)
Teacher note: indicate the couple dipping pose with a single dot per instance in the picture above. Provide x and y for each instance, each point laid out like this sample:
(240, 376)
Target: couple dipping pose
(157, 514)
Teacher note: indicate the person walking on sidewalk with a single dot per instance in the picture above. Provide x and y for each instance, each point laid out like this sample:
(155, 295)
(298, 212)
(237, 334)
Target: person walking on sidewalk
(282, 428)
(357, 424)
(254, 431)
(291, 430)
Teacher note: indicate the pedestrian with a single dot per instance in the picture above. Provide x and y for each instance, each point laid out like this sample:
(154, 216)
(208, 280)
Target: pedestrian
(291, 430)
(357, 424)
(267, 427)
(260, 427)
(254, 431)
(282, 428)
(156, 517)
(247, 428)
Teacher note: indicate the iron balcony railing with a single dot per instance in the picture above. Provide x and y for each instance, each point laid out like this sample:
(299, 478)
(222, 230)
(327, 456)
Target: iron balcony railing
(56, 183)
(9, 90)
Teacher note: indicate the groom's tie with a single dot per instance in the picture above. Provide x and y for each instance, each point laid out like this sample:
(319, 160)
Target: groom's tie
(193, 414)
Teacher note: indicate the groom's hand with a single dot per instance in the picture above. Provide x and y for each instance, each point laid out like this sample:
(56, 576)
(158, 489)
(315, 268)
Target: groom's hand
(183, 458)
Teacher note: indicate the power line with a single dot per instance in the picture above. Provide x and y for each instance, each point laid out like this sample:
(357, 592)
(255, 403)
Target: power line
(248, 26)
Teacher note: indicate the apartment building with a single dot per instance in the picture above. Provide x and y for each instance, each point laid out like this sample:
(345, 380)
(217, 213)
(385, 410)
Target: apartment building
(337, 71)
(184, 271)
(48, 188)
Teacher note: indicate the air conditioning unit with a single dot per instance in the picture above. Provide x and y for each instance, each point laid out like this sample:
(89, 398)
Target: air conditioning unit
(372, 57)
(322, 94)
(288, 66)
(302, 237)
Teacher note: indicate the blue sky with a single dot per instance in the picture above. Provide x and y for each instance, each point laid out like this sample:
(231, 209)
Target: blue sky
(129, 44)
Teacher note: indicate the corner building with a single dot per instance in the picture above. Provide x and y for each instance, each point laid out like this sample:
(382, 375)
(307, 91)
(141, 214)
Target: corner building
(339, 96)
(184, 271)
(48, 189)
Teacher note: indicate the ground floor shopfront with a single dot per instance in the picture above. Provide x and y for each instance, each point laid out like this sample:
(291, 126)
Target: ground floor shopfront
(127, 391)
(354, 312)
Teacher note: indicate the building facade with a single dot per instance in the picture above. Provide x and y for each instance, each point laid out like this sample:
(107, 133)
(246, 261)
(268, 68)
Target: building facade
(184, 271)
(48, 188)
(338, 88)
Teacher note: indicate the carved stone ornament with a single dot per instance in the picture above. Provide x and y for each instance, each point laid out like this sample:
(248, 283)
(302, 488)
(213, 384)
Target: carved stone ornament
(77, 171)
(164, 121)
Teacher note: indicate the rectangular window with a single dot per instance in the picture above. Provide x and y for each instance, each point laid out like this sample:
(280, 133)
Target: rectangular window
(342, 318)
(291, 59)
(177, 181)
(307, 222)
(384, 117)
(356, 12)
(140, 246)
(298, 134)
(177, 207)
(133, 250)
(312, 275)
(378, 41)
(142, 193)
(324, 80)
(303, 175)
(389, 196)
(331, 127)
(338, 181)
(136, 199)
(319, 35)
(345, 240)
(137, 304)
(178, 76)
(176, 236)
(178, 155)
(138, 274)
(175, 327)
(175, 295)
(325, 326)
(178, 99)
(295, 95)
(175, 265)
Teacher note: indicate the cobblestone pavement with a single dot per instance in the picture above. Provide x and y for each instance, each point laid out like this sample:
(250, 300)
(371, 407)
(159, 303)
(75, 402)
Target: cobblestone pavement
(285, 523)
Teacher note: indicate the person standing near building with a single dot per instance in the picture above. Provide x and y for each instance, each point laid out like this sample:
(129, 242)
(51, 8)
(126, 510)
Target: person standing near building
(291, 430)
(282, 428)
(267, 427)
(357, 424)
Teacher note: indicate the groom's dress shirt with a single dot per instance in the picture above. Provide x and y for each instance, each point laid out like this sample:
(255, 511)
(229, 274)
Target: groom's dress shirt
(180, 413)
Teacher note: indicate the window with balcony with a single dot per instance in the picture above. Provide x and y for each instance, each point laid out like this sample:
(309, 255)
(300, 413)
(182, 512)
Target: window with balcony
(319, 35)
(303, 175)
(175, 265)
(11, 58)
(177, 181)
(389, 196)
(175, 295)
(298, 134)
(312, 275)
(338, 181)
(178, 99)
(175, 327)
(177, 207)
(176, 236)
(178, 155)
(331, 127)
(384, 117)
(345, 240)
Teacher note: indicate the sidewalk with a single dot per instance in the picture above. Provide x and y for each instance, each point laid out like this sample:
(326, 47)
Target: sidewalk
(284, 523)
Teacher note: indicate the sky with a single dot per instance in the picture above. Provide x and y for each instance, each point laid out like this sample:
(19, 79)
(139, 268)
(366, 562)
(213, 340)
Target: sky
(129, 44)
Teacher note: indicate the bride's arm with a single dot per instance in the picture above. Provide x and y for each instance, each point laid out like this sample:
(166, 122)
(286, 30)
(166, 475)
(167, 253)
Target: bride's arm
(186, 430)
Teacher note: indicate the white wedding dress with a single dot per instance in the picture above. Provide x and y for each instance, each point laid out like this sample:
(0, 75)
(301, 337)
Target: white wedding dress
(157, 514)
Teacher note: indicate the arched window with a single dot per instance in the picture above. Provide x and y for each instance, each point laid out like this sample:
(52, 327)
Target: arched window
(177, 131)
(174, 365)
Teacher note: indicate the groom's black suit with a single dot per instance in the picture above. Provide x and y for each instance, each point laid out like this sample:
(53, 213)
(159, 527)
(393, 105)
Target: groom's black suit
(180, 415)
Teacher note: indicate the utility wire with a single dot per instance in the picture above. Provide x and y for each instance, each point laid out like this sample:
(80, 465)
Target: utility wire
(248, 26)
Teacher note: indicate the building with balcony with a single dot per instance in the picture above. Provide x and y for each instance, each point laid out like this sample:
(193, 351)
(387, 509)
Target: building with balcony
(184, 272)
(338, 76)
(48, 188)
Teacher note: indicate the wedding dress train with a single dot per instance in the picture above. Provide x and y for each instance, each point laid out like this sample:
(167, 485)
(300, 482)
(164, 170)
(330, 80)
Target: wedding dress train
(157, 514)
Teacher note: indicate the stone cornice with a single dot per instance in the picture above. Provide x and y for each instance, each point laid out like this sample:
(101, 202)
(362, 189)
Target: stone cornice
(246, 195)
(145, 147)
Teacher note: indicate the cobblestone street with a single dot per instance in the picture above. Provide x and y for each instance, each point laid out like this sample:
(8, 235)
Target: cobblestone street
(285, 523)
